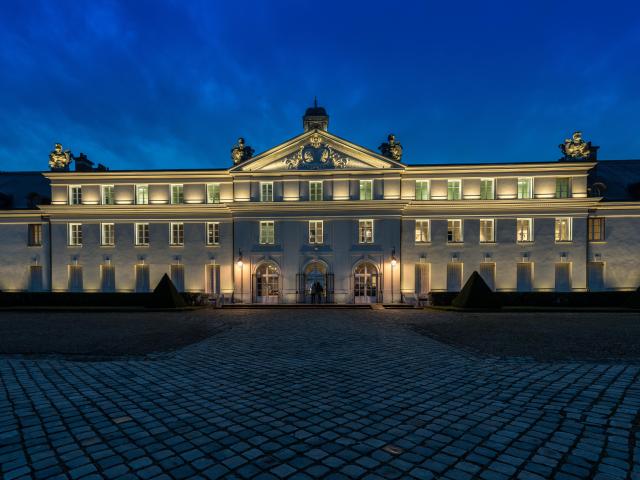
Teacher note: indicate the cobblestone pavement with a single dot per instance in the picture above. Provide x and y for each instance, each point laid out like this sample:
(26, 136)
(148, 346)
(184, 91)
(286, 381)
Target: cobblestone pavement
(307, 394)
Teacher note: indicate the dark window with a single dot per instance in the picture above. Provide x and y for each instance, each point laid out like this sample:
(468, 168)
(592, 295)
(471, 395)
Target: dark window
(596, 229)
(35, 234)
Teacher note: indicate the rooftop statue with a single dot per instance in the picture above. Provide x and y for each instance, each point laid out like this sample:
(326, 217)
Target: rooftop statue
(241, 152)
(59, 159)
(391, 149)
(576, 148)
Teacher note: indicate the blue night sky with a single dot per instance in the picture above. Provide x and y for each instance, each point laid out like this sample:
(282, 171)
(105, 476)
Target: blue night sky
(154, 84)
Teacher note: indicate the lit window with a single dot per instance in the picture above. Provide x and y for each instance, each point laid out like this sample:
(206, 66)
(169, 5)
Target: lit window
(267, 232)
(213, 193)
(315, 191)
(213, 233)
(365, 231)
(487, 230)
(525, 187)
(107, 234)
(454, 231)
(423, 232)
(177, 233)
(487, 191)
(142, 234)
(422, 189)
(107, 195)
(596, 229)
(75, 234)
(524, 230)
(75, 195)
(454, 189)
(316, 231)
(142, 194)
(563, 229)
(366, 189)
(563, 187)
(266, 191)
(177, 194)
(34, 234)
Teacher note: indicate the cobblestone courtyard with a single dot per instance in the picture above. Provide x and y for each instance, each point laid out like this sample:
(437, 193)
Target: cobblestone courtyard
(318, 394)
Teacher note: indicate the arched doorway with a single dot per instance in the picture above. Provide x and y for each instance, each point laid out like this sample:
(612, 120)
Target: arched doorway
(366, 288)
(315, 282)
(267, 283)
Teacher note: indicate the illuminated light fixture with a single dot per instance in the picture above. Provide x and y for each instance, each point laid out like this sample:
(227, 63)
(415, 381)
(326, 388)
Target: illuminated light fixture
(525, 257)
(35, 260)
(239, 262)
(487, 257)
(394, 261)
(75, 260)
(423, 258)
(454, 257)
(563, 257)
(597, 257)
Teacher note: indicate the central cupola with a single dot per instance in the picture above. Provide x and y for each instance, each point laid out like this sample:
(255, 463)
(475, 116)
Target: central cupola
(315, 118)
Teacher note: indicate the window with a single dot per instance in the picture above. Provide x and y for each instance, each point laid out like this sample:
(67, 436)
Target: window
(107, 234)
(454, 231)
(213, 279)
(142, 278)
(487, 230)
(177, 233)
(75, 278)
(34, 234)
(486, 189)
(365, 231)
(177, 194)
(316, 231)
(108, 277)
(454, 277)
(595, 276)
(213, 193)
(422, 189)
(315, 191)
(596, 229)
(366, 189)
(75, 234)
(266, 191)
(35, 278)
(525, 187)
(524, 230)
(524, 277)
(107, 195)
(267, 233)
(177, 276)
(142, 194)
(563, 277)
(563, 229)
(423, 232)
(142, 234)
(75, 195)
(563, 187)
(488, 274)
(454, 189)
(213, 233)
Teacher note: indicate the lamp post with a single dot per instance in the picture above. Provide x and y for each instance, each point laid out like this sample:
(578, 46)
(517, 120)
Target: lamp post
(240, 264)
(393, 264)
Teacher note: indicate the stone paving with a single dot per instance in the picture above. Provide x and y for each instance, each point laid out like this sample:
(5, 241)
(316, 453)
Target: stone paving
(307, 394)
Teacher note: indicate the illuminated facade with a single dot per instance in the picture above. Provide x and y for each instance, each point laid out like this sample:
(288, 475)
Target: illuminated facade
(320, 216)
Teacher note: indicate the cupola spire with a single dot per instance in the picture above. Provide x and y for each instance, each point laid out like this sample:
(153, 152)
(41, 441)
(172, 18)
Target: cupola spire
(315, 118)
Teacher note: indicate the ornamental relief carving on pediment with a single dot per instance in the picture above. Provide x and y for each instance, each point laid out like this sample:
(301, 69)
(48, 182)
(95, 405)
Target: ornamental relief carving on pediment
(316, 155)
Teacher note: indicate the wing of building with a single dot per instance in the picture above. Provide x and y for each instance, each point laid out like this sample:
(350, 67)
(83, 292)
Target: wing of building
(319, 217)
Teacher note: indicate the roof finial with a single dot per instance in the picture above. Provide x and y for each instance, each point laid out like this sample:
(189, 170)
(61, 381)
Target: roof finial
(315, 101)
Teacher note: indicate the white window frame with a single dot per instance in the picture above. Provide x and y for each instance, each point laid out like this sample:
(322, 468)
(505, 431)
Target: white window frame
(493, 188)
(529, 195)
(319, 184)
(558, 230)
(213, 193)
(316, 232)
(75, 194)
(266, 195)
(145, 196)
(176, 234)
(177, 194)
(529, 230)
(425, 185)
(103, 195)
(569, 185)
(450, 183)
(213, 233)
(420, 236)
(107, 239)
(367, 187)
(267, 233)
(75, 235)
(453, 222)
(492, 222)
(141, 234)
(364, 226)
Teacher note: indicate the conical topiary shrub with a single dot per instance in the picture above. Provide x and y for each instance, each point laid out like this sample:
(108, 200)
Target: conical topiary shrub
(166, 295)
(476, 294)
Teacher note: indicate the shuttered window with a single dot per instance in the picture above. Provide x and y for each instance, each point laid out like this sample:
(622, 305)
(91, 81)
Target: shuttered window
(142, 278)
(454, 277)
(525, 277)
(563, 277)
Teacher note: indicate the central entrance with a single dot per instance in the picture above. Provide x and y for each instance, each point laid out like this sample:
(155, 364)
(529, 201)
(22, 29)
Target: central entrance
(366, 287)
(267, 283)
(315, 284)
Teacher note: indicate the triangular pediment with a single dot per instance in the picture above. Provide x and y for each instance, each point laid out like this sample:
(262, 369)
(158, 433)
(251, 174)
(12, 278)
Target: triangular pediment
(316, 150)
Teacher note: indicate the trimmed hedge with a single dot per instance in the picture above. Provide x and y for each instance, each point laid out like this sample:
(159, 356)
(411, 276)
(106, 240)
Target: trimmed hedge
(547, 299)
(88, 300)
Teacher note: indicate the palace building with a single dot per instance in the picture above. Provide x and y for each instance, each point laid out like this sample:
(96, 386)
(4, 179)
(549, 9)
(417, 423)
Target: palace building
(319, 215)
